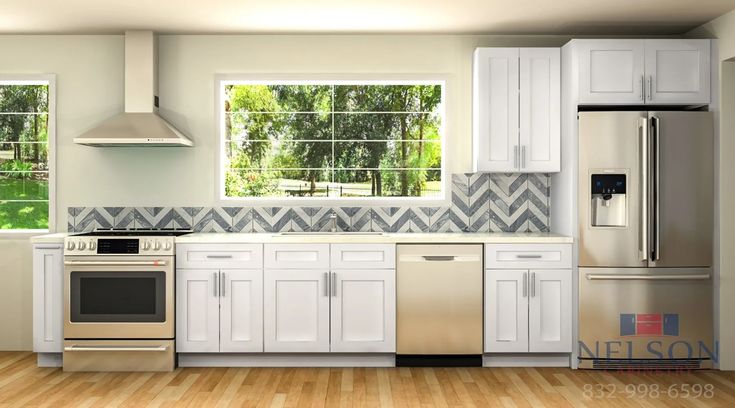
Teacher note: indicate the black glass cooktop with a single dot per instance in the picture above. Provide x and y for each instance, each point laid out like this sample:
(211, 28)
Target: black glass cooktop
(165, 232)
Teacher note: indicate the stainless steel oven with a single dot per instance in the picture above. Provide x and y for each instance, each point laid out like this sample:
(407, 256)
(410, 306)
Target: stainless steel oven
(119, 302)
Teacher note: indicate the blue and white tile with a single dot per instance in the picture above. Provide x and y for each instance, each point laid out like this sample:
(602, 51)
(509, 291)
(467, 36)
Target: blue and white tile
(125, 218)
(271, 219)
(421, 218)
(242, 220)
(508, 203)
(151, 217)
(391, 219)
(212, 220)
(459, 212)
(179, 218)
(479, 206)
(362, 220)
(91, 218)
(321, 220)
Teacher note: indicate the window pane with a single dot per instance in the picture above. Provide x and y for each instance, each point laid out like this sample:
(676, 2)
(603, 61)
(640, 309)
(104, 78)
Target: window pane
(387, 98)
(388, 183)
(277, 183)
(387, 126)
(23, 186)
(387, 155)
(24, 215)
(278, 98)
(278, 126)
(23, 98)
(280, 155)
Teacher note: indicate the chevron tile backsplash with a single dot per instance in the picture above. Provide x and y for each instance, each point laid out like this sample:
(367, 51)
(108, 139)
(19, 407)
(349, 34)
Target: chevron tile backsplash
(480, 202)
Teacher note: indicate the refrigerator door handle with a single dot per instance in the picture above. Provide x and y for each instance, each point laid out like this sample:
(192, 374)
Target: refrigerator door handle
(656, 244)
(643, 239)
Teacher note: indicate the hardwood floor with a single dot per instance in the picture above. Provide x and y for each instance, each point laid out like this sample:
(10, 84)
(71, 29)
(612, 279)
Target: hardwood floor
(22, 384)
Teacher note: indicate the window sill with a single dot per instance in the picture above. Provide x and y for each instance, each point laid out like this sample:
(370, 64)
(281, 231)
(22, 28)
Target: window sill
(21, 234)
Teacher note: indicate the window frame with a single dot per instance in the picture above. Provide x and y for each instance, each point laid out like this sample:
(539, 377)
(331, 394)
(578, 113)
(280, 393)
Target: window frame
(50, 80)
(223, 80)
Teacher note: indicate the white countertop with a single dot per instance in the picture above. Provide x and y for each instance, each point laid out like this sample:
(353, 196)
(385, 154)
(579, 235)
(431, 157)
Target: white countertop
(225, 238)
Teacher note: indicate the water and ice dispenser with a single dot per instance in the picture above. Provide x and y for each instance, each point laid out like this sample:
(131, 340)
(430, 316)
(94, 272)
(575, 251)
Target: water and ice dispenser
(608, 200)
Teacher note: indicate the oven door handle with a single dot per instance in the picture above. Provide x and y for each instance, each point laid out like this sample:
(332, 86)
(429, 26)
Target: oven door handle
(157, 262)
(113, 348)
(593, 276)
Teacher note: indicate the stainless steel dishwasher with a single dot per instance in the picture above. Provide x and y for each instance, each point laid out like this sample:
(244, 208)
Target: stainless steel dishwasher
(439, 305)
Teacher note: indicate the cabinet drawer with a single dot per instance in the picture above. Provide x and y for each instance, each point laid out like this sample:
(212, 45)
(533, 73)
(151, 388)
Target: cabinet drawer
(528, 256)
(362, 256)
(296, 256)
(219, 256)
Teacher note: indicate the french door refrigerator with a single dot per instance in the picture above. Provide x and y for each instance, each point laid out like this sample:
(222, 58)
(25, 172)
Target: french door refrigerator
(646, 203)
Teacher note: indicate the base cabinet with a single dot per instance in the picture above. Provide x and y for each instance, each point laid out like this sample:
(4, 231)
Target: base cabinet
(528, 311)
(48, 306)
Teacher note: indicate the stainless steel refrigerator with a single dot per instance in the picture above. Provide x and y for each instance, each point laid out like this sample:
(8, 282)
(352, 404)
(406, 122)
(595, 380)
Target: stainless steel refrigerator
(646, 204)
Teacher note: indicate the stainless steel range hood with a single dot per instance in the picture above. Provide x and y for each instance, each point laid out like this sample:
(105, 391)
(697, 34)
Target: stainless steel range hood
(140, 124)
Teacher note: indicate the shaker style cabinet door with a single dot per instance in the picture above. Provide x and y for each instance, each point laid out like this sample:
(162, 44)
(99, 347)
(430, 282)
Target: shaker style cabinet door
(506, 311)
(241, 310)
(48, 304)
(495, 109)
(677, 71)
(550, 311)
(363, 311)
(540, 115)
(197, 311)
(611, 72)
(296, 310)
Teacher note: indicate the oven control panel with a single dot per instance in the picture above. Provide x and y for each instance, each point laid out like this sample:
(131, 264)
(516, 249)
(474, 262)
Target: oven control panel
(85, 245)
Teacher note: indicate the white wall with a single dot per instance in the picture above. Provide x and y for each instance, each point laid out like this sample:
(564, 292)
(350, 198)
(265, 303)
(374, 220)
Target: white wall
(90, 88)
(723, 28)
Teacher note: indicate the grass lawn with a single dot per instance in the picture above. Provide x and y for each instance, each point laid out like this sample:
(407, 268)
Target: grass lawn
(23, 215)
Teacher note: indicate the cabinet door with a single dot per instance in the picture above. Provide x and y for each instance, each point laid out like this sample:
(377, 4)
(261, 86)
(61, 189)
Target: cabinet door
(363, 309)
(611, 72)
(506, 311)
(296, 309)
(495, 109)
(48, 306)
(241, 310)
(677, 71)
(540, 100)
(550, 311)
(197, 311)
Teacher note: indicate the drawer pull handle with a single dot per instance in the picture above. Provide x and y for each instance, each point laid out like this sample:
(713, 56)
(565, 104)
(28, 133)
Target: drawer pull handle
(438, 258)
(113, 348)
(520, 256)
(219, 256)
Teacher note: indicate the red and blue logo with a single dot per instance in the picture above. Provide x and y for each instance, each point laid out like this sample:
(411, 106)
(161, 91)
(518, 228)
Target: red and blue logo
(649, 324)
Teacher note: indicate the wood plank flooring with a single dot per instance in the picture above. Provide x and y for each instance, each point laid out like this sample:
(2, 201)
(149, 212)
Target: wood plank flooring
(22, 384)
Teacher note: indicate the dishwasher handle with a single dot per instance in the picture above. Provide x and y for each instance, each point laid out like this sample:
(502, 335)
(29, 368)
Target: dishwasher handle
(438, 258)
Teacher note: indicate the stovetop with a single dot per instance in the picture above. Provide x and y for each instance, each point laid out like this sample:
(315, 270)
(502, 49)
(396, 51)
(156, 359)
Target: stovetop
(138, 232)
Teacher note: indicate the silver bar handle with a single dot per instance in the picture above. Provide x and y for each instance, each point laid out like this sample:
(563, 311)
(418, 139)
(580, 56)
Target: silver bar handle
(326, 284)
(656, 190)
(533, 284)
(650, 87)
(525, 284)
(433, 258)
(515, 156)
(214, 285)
(219, 256)
(334, 284)
(222, 283)
(593, 276)
(157, 262)
(113, 348)
(528, 256)
(643, 88)
(523, 157)
(643, 244)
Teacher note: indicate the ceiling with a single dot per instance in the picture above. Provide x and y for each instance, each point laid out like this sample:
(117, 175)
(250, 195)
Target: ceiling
(361, 16)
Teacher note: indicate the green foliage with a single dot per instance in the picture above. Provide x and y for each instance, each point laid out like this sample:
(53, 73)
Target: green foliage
(16, 166)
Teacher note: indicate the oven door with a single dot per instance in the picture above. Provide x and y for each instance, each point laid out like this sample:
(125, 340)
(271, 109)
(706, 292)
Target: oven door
(118, 297)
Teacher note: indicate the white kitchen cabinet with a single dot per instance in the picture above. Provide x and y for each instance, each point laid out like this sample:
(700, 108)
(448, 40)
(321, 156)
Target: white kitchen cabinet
(550, 311)
(197, 311)
(241, 310)
(296, 310)
(363, 311)
(637, 72)
(48, 276)
(677, 71)
(506, 311)
(516, 116)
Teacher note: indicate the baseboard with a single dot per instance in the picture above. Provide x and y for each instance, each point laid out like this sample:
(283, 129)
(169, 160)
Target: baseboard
(49, 359)
(285, 360)
(526, 360)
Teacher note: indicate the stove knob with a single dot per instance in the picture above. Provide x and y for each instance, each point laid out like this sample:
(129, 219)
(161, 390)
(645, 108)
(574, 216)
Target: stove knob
(82, 245)
(70, 245)
(157, 246)
(146, 245)
(167, 246)
(92, 245)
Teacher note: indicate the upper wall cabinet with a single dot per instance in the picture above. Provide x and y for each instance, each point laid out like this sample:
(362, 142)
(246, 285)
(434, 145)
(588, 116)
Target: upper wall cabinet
(634, 72)
(516, 117)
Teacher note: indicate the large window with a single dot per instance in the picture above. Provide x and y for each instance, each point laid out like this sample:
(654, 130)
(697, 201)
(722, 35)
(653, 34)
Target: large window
(24, 154)
(331, 139)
